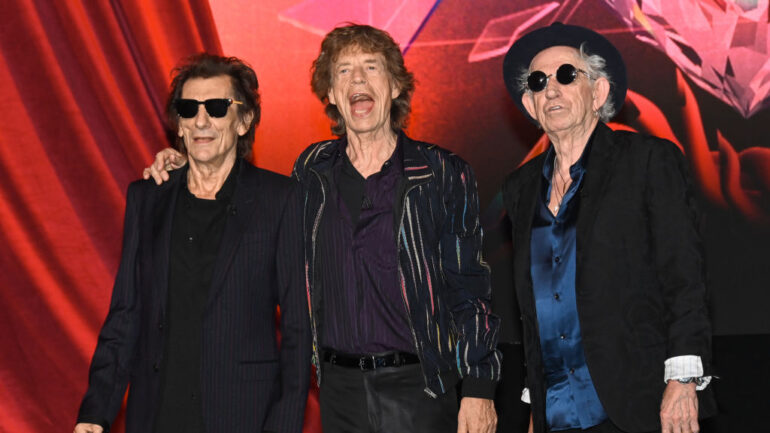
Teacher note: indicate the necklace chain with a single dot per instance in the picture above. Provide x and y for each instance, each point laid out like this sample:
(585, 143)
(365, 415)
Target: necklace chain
(559, 195)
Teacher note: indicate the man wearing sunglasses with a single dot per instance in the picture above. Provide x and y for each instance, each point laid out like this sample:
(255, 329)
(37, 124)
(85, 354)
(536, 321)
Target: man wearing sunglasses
(608, 268)
(397, 286)
(206, 259)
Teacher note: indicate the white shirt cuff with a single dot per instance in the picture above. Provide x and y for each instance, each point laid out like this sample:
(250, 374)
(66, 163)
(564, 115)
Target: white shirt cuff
(680, 367)
(525, 396)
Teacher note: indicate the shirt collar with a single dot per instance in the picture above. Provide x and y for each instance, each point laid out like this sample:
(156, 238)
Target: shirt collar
(394, 162)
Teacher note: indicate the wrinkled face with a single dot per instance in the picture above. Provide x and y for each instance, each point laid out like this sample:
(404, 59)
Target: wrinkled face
(211, 139)
(363, 90)
(562, 107)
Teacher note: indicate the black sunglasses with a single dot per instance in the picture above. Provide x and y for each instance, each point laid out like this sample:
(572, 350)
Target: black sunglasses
(566, 74)
(188, 108)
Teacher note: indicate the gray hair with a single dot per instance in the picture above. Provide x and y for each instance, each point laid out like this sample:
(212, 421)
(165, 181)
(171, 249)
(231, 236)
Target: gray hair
(595, 66)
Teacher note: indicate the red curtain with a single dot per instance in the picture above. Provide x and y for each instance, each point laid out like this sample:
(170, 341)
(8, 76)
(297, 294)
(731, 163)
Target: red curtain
(82, 88)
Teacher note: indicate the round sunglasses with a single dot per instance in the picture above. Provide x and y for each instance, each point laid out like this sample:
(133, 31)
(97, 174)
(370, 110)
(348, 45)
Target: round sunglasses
(217, 107)
(566, 74)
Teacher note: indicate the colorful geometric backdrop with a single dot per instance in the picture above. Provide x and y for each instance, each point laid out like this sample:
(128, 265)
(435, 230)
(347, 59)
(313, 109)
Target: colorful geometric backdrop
(82, 88)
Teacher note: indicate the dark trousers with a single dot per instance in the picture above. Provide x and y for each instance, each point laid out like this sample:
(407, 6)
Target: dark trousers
(384, 400)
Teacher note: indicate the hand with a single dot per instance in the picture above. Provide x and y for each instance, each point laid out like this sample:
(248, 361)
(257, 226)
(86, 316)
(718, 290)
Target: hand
(166, 160)
(85, 427)
(679, 409)
(531, 428)
(477, 415)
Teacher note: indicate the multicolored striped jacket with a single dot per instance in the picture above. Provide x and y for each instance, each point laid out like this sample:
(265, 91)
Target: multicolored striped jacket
(444, 280)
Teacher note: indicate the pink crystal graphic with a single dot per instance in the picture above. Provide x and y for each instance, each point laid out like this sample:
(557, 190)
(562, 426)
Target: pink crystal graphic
(721, 45)
(500, 33)
(401, 18)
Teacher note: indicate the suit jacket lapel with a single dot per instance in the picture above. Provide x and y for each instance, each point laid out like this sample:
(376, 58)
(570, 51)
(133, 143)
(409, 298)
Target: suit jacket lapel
(597, 177)
(164, 205)
(522, 235)
(239, 217)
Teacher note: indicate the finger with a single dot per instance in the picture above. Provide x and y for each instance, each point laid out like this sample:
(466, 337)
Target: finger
(160, 160)
(176, 160)
(694, 426)
(156, 173)
(156, 177)
(678, 424)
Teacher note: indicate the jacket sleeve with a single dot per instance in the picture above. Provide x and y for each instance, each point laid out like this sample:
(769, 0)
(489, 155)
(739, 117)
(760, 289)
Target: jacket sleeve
(287, 414)
(467, 277)
(678, 252)
(112, 360)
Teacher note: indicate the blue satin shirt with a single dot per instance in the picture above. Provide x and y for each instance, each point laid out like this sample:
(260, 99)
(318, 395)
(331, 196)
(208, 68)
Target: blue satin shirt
(571, 400)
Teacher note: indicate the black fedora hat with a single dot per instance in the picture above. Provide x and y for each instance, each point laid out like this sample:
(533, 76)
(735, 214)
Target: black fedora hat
(522, 52)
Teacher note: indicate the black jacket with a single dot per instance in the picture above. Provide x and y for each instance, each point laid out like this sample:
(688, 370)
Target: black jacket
(640, 289)
(444, 280)
(247, 384)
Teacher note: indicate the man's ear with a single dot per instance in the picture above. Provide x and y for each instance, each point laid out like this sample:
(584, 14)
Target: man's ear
(529, 104)
(601, 92)
(245, 122)
(395, 92)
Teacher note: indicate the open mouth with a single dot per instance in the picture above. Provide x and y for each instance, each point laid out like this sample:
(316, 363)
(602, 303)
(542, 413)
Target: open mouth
(361, 104)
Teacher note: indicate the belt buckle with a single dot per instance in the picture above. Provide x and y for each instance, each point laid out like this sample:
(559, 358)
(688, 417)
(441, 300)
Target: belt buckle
(362, 362)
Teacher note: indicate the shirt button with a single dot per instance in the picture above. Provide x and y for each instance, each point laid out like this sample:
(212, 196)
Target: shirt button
(556, 296)
(563, 337)
(571, 371)
(190, 239)
(557, 259)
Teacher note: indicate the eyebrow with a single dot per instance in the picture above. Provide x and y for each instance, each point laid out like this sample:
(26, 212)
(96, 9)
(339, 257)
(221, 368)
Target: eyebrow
(370, 60)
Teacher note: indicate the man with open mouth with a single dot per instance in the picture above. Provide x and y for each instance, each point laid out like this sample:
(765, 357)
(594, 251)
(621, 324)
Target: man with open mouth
(399, 294)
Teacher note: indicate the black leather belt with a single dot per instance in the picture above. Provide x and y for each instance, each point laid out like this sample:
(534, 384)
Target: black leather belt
(370, 362)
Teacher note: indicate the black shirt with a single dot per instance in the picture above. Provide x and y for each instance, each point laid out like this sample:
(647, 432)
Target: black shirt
(363, 306)
(196, 233)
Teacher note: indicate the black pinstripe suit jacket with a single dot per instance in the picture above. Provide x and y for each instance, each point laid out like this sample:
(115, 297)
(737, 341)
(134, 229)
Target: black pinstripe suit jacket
(247, 383)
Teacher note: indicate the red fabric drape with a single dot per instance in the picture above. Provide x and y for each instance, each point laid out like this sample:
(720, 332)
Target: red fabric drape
(82, 89)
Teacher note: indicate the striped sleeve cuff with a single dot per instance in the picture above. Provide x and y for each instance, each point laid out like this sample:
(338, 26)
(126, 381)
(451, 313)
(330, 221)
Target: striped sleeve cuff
(680, 367)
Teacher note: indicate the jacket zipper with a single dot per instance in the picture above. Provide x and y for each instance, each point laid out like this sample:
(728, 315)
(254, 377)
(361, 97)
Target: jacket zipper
(403, 296)
(313, 296)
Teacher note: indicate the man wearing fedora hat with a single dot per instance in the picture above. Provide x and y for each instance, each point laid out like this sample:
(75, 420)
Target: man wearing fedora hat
(608, 266)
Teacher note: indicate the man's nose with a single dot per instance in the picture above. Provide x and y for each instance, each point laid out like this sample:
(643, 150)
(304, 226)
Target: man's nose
(358, 75)
(202, 119)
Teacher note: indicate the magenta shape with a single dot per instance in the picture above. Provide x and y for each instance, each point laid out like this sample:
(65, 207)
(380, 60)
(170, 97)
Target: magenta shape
(402, 19)
(722, 46)
(501, 32)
